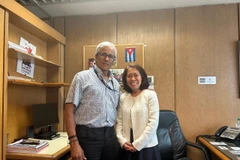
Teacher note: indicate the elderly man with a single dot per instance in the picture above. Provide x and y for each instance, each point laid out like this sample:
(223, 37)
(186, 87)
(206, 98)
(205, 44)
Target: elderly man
(91, 108)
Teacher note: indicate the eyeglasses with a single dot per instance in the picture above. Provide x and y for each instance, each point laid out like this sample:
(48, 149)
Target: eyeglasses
(105, 55)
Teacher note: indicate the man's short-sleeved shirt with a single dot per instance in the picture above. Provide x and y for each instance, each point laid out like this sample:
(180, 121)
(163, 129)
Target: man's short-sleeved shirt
(96, 104)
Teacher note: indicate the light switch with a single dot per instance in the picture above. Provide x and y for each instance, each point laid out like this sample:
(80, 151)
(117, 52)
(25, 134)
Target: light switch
(207, 80)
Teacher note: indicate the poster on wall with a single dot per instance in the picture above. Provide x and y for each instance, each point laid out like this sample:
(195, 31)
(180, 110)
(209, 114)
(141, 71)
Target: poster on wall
(25, 67)
(117, 73)
(91, 62)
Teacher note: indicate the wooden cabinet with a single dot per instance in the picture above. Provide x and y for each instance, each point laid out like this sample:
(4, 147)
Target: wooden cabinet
(46, 86)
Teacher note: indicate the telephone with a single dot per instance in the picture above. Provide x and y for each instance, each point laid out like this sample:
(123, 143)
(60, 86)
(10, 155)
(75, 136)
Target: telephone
(228, 132)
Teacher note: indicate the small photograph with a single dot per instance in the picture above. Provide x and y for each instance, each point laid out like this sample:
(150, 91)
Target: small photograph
(117, 74)
(151, 82)
(91, 62)
(150, 79)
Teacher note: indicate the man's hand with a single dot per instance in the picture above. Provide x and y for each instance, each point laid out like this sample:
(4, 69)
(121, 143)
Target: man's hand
(77, 152)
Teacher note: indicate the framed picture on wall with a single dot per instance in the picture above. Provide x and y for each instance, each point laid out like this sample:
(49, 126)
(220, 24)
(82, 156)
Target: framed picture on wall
(150, 79)
(91, 62)
(117, 73)
(151, 82)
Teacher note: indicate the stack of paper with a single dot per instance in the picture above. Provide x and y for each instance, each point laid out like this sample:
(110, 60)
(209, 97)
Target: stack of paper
(17, 47)
(20, 147)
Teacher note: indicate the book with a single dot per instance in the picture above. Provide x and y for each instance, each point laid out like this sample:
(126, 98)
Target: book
(21, 146)
(26, 151)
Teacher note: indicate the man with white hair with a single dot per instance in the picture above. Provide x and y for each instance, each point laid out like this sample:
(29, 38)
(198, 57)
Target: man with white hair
(91, 109)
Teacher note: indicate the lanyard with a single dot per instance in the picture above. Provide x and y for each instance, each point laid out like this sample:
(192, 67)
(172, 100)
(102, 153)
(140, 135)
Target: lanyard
(101, 79)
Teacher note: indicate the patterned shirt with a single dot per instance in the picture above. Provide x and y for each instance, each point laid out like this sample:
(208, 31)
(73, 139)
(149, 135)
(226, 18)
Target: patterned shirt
(95, 99)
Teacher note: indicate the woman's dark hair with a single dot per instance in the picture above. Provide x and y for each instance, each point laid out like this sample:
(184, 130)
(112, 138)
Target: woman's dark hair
(144, 83)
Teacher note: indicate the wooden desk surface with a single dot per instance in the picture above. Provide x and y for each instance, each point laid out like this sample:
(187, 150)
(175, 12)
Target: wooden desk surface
(56, 149)
(230, 152)
(213, 149)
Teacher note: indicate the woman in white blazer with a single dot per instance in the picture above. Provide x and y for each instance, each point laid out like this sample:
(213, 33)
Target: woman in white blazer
(138, 116)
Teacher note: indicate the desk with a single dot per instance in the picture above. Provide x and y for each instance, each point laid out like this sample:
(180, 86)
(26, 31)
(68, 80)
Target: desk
(56, 149)
(221, 154)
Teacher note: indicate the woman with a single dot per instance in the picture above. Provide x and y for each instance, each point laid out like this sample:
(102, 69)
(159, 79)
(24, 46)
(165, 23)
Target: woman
(138, 116)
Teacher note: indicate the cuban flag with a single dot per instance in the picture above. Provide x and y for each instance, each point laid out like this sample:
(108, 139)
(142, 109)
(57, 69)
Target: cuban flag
(130, 54)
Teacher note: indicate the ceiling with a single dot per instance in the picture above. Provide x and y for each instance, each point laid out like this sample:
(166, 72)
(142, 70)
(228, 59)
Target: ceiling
(57, 8)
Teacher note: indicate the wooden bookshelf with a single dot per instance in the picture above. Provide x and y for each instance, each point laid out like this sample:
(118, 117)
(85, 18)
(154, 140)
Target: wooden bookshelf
(18, 95)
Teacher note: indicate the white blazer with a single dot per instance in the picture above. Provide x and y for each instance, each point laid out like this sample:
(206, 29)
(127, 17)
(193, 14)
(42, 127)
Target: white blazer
(141, 113)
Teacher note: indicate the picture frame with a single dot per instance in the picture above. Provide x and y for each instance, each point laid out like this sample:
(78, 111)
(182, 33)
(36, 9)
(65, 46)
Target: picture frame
(150, 79)
(117, 73)
(151, 82)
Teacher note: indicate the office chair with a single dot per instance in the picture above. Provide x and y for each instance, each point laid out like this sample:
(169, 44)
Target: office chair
(171, 141)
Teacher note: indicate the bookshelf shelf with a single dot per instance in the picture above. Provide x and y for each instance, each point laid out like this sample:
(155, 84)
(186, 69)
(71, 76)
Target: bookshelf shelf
(38, 84)
(16, 54)
(56, 84)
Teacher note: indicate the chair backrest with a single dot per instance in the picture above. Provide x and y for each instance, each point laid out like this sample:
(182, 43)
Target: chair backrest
(171, 141)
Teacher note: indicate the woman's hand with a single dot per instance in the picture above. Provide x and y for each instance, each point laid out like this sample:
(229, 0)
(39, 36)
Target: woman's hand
(129, 147)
